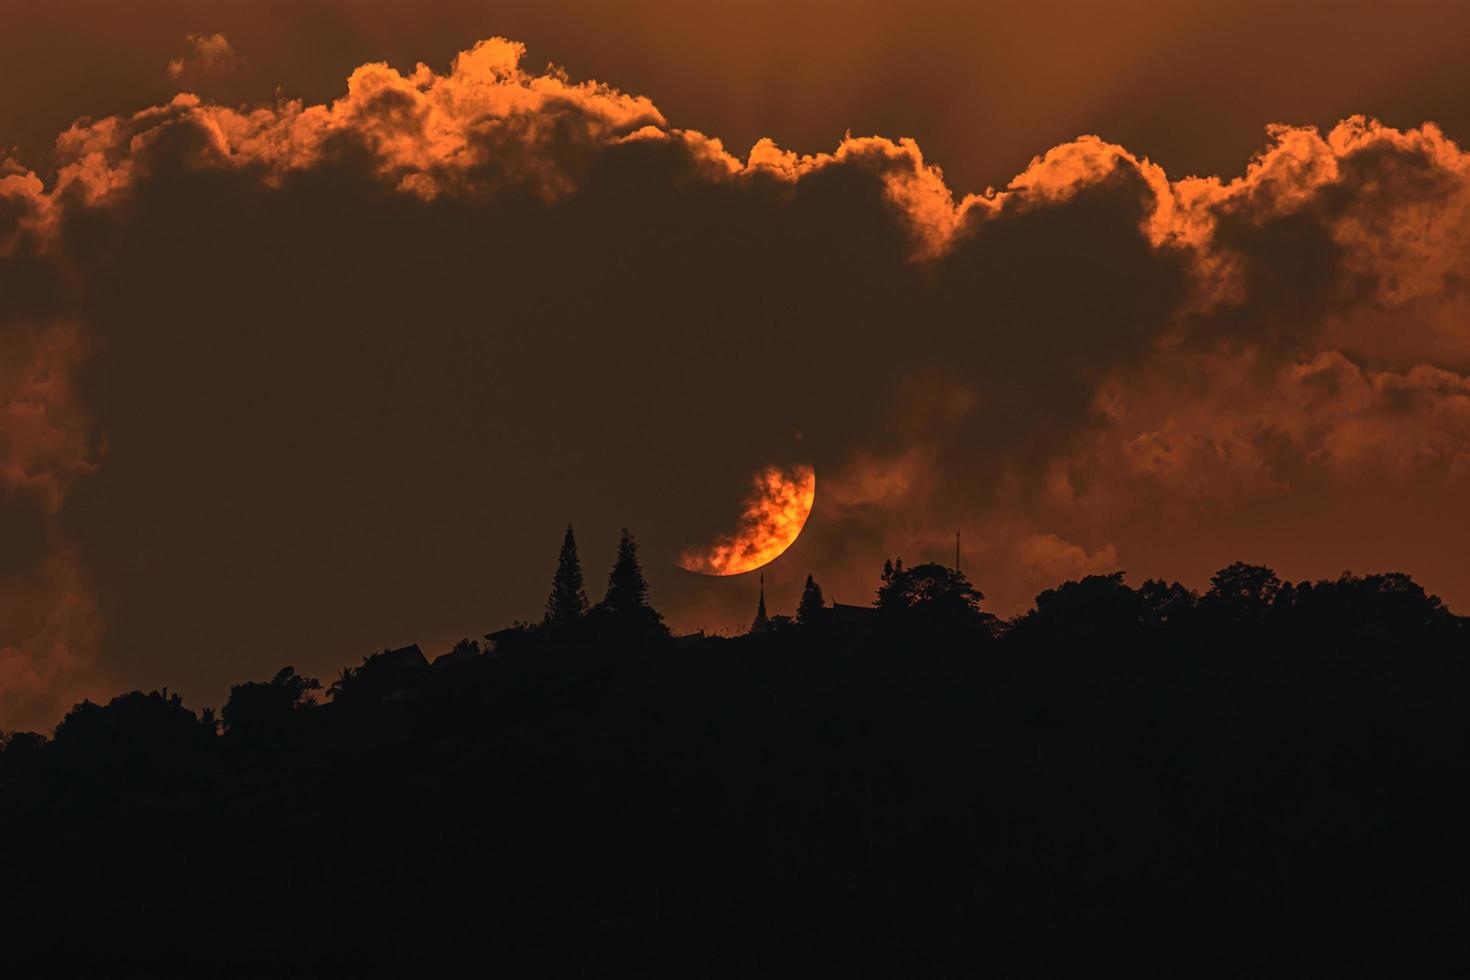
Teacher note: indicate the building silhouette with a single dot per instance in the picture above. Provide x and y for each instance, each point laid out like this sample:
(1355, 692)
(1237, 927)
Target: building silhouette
(762, 623)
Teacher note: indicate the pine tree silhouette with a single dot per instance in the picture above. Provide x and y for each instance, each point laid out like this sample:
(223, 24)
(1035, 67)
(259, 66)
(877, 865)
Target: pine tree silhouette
(568, 599)
(809, 610)
(627, 590)
(888, 582)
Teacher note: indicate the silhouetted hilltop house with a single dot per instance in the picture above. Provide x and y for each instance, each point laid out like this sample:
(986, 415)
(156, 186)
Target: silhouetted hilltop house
(392, 675)
(463, 653)
(509, 640)
(762, 622)
(406, 662)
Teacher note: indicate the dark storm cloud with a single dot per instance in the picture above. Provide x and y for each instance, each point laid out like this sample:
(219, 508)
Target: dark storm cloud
(327, 377)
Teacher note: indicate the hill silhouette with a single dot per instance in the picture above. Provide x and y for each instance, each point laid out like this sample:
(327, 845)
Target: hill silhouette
(1265, 779)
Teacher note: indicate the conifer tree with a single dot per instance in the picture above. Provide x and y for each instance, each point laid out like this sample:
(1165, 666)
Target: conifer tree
(568, 599)
(887, 589)
(809, 610)
(627, 590)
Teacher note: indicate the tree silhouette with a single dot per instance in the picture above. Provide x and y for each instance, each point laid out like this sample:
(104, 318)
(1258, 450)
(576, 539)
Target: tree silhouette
(262, 710)
(568, 600)
(1166, 603)
(1096, 604)
(930, 585)
(809, 610)
(138, 740)
(933, 600)
(1243, 592)
(888, 596)
(627, 589)
(1119, 723)
(344, 681)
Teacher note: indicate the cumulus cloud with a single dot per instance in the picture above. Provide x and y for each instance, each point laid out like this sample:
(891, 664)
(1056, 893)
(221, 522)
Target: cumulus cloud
(1341, 343)
(209, 57)
(352, 347)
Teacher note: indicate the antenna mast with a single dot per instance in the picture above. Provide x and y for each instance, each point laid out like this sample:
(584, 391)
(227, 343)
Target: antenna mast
(957, 551)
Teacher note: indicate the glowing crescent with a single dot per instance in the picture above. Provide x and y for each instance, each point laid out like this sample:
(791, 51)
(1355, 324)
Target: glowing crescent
(780, 501)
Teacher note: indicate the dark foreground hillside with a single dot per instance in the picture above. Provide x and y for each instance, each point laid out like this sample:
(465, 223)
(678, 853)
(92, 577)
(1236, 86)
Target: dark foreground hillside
(1268, 780)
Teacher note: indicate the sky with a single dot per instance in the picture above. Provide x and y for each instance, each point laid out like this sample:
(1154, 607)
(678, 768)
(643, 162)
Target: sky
(319, 322)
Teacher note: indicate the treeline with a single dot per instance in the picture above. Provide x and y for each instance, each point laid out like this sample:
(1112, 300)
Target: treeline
(1262, 779)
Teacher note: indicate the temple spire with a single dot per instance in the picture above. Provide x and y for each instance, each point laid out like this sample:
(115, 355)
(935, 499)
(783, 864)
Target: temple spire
(762, 622)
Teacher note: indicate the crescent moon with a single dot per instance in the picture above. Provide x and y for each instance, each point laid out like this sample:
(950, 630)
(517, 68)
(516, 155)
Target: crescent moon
(771, 519)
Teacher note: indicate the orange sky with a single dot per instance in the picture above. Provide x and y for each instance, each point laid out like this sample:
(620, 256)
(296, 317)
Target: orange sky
(322, 355)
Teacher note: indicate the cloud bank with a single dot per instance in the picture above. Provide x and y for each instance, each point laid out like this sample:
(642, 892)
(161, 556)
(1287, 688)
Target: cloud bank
(285, 383)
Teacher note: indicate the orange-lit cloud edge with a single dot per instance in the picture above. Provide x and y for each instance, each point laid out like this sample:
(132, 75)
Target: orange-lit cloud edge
(1191, 422)
(432, 134)
(771, 520)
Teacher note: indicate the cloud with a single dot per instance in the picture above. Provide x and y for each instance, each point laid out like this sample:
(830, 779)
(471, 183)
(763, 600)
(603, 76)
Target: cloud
(48, 654)
(1341, 344)
(209, 57)
(1219, 429)
(49, 627)
(44, 433)
(338, 354)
